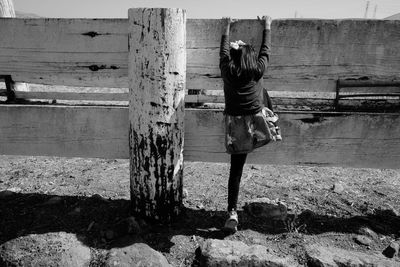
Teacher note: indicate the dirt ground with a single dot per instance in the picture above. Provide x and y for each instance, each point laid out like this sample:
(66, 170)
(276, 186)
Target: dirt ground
(89, 197)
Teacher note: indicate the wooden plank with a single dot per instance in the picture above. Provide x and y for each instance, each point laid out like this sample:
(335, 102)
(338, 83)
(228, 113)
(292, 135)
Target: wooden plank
(204, 99)
(370, 90)
(75, 52)
(120, 96)
(368, 83)
(204, 82)
(331, 138)
(306, 54)
(306, 49)
(73, 96)
(282, 101)
(64, 131)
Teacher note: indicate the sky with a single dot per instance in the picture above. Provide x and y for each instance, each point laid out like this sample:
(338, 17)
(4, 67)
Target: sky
(247, 9)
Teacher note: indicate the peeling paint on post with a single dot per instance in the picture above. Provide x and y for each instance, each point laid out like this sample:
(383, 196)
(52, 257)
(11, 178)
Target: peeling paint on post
(7, 9)
(157, 76)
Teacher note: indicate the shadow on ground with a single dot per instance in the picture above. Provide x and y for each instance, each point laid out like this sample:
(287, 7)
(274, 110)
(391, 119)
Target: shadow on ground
(96, 221)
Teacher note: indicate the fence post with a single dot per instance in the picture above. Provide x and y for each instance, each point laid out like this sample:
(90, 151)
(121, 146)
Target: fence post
(7, 9)
(157, 77)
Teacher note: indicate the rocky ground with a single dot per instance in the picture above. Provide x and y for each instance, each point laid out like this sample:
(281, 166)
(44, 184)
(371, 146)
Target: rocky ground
(75, 212)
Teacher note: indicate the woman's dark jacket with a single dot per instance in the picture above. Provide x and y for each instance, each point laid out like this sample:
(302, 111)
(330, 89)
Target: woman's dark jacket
(243, 96)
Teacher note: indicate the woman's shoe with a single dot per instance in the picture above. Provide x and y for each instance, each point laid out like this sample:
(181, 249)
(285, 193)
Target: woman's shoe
(232, 222)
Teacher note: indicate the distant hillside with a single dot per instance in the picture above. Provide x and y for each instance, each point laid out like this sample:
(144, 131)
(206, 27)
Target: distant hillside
(394, 17)
(20, 14)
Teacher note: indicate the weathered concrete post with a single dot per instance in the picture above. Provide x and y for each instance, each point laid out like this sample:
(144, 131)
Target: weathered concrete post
(157, 74)
(7, 9)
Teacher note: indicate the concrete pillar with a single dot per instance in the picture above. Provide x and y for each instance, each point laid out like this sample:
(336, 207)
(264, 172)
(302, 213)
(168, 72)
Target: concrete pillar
(7, 9)
(157, 76)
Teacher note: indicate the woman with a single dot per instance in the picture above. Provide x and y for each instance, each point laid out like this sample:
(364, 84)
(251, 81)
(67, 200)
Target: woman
(247, 125)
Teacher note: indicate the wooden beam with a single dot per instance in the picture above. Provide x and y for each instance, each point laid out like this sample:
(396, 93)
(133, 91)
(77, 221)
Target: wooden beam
(364, 140)
(72, 96)
(305, 49)
(208, 82)
(64, 131)
(74, 52)
(367, 83)
(328, 139)
(306, 54)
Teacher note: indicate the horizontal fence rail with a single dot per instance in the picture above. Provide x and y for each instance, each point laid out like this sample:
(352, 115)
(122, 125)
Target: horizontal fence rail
(328, 139)
(307, 55)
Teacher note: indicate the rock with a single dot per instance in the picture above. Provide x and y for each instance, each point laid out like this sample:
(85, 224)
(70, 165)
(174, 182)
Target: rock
(253, 167)
(392, 210)
(363, 240)
(266, 208)
(185, 193)
(138, 254)
(200, 206)
(384, 213)
(368, 232)
(392, 250)
(15, 189)
(98, 197)
(318, 255)
(338, 188)
(51, 249)
(215, 252)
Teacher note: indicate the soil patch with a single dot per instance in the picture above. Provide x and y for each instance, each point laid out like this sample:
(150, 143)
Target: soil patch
(90, 198)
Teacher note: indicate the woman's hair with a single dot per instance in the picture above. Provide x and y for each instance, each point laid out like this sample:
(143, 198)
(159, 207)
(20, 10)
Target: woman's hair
(243, 63)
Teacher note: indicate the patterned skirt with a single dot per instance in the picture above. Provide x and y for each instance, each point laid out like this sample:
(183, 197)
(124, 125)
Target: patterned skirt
(245, 133)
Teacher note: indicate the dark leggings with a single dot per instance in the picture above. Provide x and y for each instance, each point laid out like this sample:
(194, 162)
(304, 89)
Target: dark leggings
(237, 163)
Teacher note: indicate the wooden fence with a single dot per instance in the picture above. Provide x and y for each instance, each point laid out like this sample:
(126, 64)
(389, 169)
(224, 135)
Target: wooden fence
(308, 57)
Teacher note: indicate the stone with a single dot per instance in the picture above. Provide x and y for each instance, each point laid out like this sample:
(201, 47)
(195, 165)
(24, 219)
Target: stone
(15, 189)
(368, 232)
(215, 252)
(392, 250)
(321, 256)
(51, 249)
(363, 240)
(185, 193)
(200, 206)
(394, 211)
(138, 254)
(266, 208)
(99, 198)
(338, 188)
